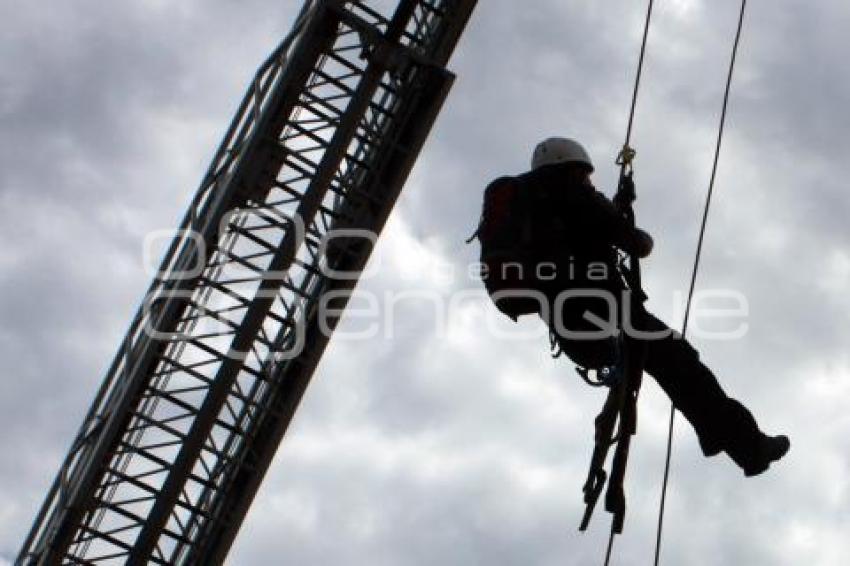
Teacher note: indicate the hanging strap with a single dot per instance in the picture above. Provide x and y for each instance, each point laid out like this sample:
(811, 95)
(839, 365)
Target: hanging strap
(627, 397)
(620, 408)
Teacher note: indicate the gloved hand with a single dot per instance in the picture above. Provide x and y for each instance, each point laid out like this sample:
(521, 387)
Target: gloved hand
(643, 243)
(626, 194)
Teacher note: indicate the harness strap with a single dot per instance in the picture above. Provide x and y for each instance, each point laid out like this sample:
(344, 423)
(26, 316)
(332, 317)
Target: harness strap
(604, 438)
(621, 404)
(615, 498)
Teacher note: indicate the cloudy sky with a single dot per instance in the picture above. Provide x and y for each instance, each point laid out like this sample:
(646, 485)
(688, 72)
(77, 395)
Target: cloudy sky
(441, 442)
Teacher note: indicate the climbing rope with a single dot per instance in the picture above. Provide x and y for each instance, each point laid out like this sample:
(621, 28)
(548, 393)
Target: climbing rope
(696, 268)
(627, 154)
(624, 160)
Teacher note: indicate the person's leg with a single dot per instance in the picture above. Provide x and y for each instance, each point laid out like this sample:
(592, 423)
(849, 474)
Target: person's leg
(721, 423)
(579, 338)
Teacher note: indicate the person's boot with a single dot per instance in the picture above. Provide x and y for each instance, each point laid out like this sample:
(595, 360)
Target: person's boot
(769, 449)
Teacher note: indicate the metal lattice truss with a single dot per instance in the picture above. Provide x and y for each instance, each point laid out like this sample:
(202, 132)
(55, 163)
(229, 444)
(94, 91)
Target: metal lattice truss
(216, 361)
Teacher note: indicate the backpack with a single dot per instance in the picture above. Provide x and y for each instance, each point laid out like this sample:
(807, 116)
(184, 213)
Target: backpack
(505, 235)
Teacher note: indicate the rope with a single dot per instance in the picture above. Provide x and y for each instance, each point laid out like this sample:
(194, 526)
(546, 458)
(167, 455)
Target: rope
(627, 155)
(610, 547)
(696, 268)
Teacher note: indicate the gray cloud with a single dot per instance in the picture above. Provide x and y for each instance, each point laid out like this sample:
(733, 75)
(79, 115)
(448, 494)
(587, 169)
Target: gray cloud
(460, 448)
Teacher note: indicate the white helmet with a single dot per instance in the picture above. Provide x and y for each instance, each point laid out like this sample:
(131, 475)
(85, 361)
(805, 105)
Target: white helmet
(560, 150)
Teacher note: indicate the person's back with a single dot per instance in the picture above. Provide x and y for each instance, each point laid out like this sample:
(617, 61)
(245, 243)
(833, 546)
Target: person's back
(568, 223)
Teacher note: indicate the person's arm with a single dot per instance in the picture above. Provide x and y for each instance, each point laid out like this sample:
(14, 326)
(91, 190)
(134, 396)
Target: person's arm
(613, 224)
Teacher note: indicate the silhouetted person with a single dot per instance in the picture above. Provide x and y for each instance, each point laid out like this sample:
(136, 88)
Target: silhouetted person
(569, 234)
